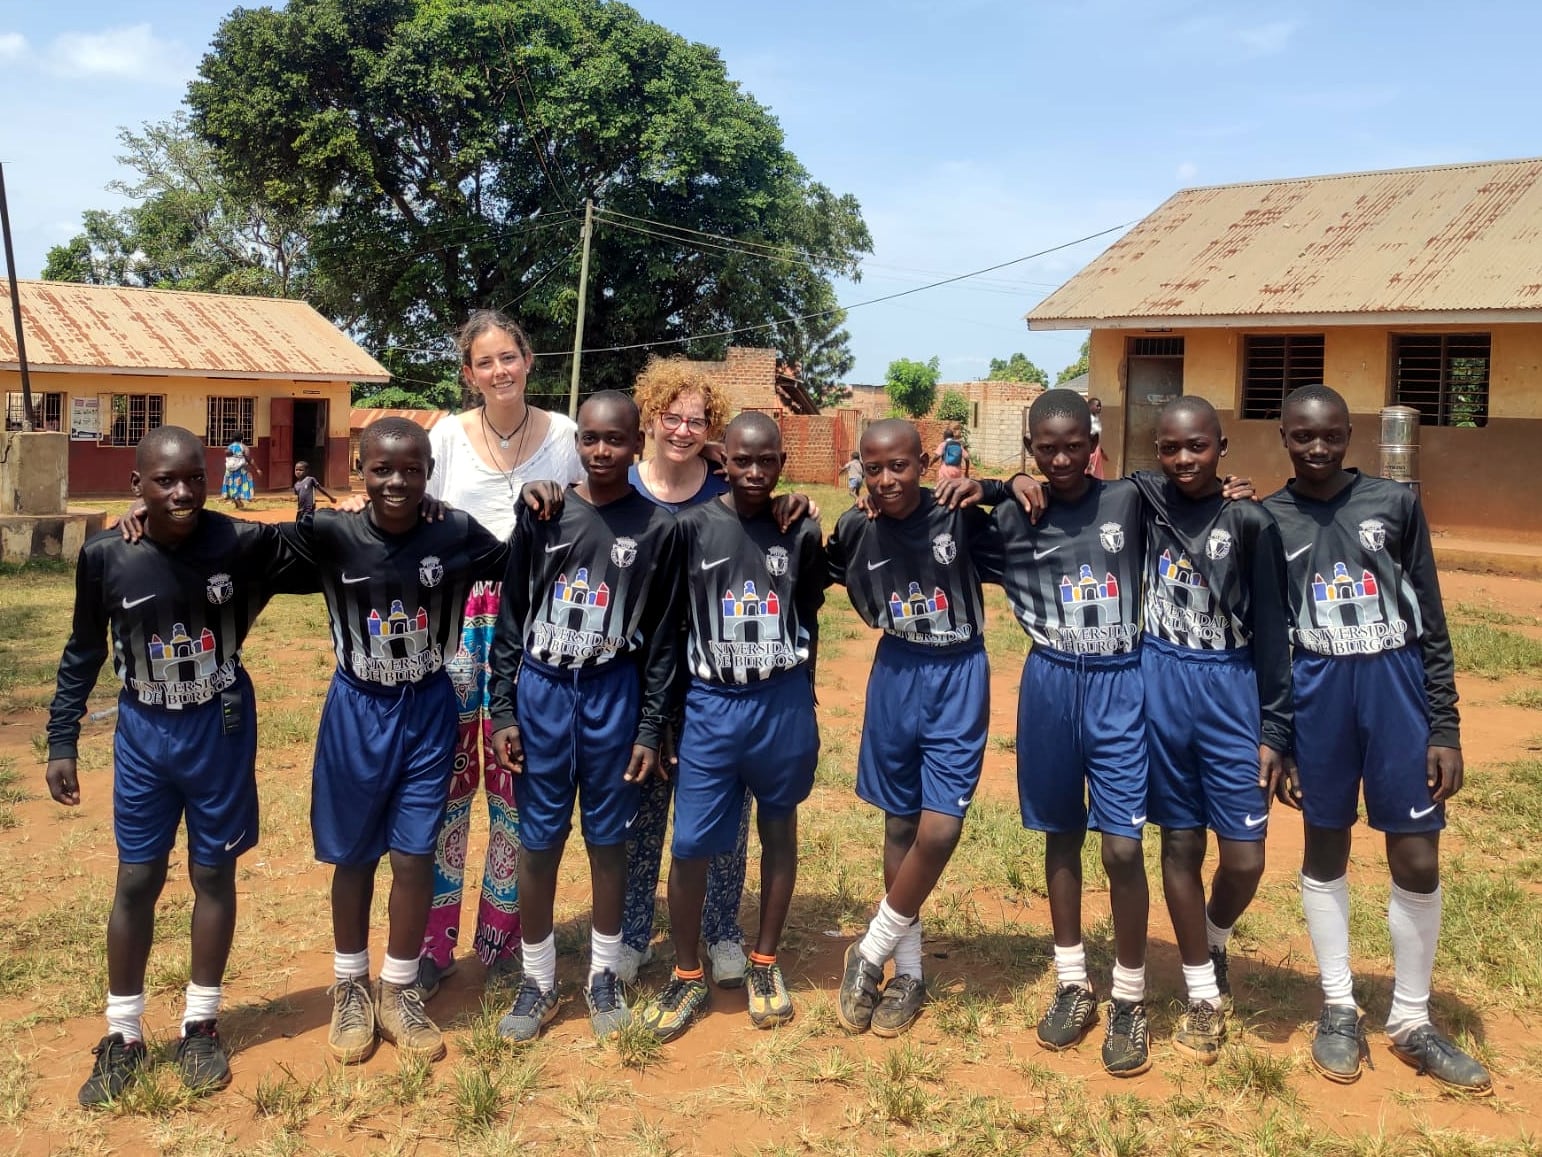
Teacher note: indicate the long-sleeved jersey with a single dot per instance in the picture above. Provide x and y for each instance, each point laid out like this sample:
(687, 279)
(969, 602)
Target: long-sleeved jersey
(178, 615)
(1215, 581)
(396, 601)
(592, 586)
(1074, 578)
(1361, 579)
(918, 578)
(753, 593)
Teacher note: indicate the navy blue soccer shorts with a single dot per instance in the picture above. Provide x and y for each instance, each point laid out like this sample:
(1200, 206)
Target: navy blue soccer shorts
(577, 728)
(1081, 743)
(170, 763)
(1202, 735)
(1364, 718)
(381, 778)
(762, 736)
(924, 730)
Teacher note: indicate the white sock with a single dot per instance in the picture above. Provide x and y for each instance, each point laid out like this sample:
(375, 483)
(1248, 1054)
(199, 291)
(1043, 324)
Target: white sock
(1413, 919)
(541, 962)
(1326, 905)
(350, 965)
(399, 972)
(907, 953)
(1129, 983)
(124, 1014)
(604, 952)
(203, 1003)
(1199, 979)
(1217, 936)
(1071, 965)
(882, 935)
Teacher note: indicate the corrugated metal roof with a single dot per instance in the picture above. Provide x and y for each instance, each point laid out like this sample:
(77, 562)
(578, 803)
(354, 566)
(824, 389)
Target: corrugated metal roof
(117, 329)
(1405, 241)
(358, 419)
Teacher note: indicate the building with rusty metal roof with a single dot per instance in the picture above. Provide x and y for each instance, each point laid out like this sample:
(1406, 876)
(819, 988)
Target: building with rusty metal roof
(110, 362)
(1412, 287)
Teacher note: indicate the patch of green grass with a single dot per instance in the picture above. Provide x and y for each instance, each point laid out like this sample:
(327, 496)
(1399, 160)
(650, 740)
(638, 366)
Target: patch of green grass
(1491, 615)
(1491, 653)
(1526, 697)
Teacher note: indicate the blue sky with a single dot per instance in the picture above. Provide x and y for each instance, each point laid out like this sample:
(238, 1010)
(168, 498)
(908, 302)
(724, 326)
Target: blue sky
(972, 131)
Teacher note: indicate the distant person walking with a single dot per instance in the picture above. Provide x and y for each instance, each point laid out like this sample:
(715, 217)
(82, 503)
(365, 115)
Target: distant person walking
(952, 457)
(239, 470)
(1097, 463)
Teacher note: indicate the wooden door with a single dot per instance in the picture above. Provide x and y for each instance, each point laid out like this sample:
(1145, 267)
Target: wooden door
(280, 443)
(1150, 384)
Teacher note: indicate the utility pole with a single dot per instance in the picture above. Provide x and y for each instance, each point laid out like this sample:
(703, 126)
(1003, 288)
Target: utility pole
(583, 298)
(21, 341)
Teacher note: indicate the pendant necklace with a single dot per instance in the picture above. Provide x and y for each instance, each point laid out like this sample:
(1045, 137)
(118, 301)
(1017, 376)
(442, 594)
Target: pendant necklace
(503, 443)
(505, 439)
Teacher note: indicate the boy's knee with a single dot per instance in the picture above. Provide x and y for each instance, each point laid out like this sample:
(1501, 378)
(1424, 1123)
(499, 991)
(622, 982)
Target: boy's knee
(1242, 859)
(140, 883)
(1414, 862)
(937, 836)
(216, 881)
(1183, 849)
(899, 830)
(411, 868)
(1122, 856)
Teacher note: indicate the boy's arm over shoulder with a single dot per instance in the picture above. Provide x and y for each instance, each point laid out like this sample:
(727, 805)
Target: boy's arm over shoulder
(985, 545)
(1435, 638)
(662, 654)
(86, 650)
(274, 553)
(508, 646)
(489, 557)
(838, 547)
(1268, 605)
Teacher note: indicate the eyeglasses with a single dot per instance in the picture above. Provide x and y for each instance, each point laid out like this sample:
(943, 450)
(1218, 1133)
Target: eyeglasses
(675, 421)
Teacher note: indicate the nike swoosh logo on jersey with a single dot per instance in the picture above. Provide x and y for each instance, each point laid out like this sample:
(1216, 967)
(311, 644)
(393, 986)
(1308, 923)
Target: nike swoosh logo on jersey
(136, 602)
(1038, 554)
(348, 581)
(1416, 814)
(879, 563)
(559, 546)
(705, 565)
(229, 846)
(1253, 823)
(1298, 553)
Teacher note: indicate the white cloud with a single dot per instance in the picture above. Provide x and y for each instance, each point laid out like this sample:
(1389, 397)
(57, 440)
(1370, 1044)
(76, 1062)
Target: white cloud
(12, 45)
(1187, 171)
(1266, 39)
(132, 52)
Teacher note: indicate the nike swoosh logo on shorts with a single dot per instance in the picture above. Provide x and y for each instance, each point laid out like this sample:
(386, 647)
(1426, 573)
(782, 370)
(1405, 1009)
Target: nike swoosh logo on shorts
(136, 602)
(879, 563)
(1038, 554)
(236, 841)
(559, 546)
(1298, 553)
(633, 820)
(1416, 814)
(965, 800)
(705, 565)
(347, 581)
(1136, 821)
(1253, 823)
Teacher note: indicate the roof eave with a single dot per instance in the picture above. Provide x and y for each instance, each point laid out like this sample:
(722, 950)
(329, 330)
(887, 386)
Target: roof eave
(1279, 320)
(183, 372)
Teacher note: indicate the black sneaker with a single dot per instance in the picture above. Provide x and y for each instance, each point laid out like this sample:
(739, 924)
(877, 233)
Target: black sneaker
(676, 1008)
(1200, 1032)
(1069, 1018)
(1339, 1043)
(858, 994)
(201, 1058)
(899, 1006)
(1127, 1047)
(1430, 1052)
(117, 1063)
(1222, 981)
(431, 975)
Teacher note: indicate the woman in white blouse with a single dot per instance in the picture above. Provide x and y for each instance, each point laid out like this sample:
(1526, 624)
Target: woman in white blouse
(482, 458)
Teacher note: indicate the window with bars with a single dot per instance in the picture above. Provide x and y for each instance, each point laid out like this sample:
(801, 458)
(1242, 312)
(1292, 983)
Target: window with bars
(1275, 364)
(133, 416)
(48, 409)
(1156, 347)
(231, 420)
(1443, 376)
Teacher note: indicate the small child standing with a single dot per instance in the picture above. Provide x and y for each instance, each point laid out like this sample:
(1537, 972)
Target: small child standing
(395, 588)
(1375, 695)
(583, 662)
(305, 488)
(853, 470)
(179, 603)
(753, 621)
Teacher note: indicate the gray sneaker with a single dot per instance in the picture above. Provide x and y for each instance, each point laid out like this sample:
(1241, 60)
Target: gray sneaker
(608, 1013)
(533, 1010)
(729, 964)
(1431, 1053)
(899, 1006)
(431, 975)
(352, 1036)
(858, 994)
(1339, 1043)
(1069, 1018)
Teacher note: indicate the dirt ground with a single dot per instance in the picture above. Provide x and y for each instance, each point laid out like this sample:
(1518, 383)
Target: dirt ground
(724, 1087)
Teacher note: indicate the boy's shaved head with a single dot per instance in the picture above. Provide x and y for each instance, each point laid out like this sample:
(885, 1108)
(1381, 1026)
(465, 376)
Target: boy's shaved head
(391, 430)
(614, 401)
(1059, 404)
(166, 439)
(893, 430)
(1195, 407)
(753, 421)
(1315, 393)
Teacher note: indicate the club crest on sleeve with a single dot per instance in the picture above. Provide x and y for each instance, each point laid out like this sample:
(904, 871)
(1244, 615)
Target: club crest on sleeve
(220, 589)
(1111, 535)
(430, 571)
(1373, 534)
(944, 549)
(1218, 546)
(623, 552)
(776, 561)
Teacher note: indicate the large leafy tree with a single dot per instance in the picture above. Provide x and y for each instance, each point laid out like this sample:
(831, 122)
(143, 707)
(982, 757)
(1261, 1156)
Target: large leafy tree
(1016, 368)
(912, 386)
(819, 349)
(450, 144)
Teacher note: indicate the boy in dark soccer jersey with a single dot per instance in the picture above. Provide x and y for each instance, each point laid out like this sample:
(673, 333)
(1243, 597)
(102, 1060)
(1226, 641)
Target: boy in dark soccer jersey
(179, 602)
(582, 665)
(1074, 582)
(1375, 696)
(305, 490)
(395, 587)
(753, 598)
(1216, 664)
(914, 572)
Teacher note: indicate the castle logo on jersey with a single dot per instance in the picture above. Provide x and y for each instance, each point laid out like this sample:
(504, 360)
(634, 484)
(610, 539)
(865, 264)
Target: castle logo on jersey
(1218, 545)
(1346, 602)
(623, 552)
(748, 615)
(1095, 603)
(944, 549)
(1179, 600)
(430, 571)
(574, 625)
(777, 560)
(752, 633)
(1181, 583)
(1349, 615)
(1373, 534)
(1091, 619)
(916, 613)
(1111, 535)
(183, 669)
(578, 606)
(220, 589)
(401, 649)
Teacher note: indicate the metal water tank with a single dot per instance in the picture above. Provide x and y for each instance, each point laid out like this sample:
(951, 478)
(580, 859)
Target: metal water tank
(1399, 445)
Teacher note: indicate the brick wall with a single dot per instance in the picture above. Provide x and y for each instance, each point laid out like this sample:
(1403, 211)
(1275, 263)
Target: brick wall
(817, 447)
(996, 425)
(748, 377)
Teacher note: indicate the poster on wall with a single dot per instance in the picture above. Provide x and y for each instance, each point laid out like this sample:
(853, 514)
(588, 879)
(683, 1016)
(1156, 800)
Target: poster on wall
(85, 419)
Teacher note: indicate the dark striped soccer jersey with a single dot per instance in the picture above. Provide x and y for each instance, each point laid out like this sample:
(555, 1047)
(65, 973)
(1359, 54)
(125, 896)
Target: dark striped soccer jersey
(1215, 581)
(592, 585)
(918, 578)
(396, 601)
(753, 593)
(178, 615)
(1074, 579)
(1361, 578)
